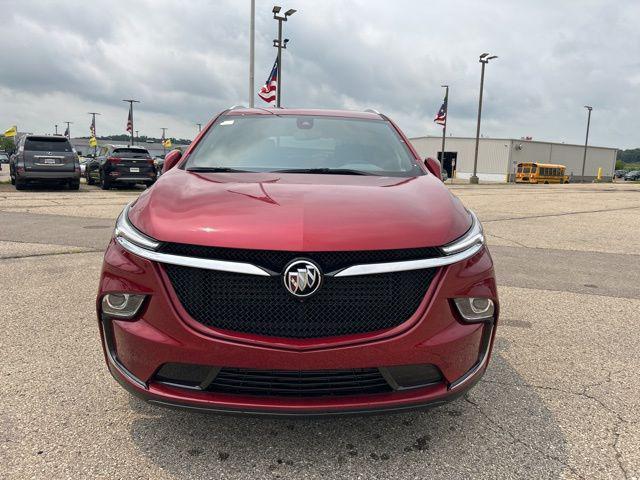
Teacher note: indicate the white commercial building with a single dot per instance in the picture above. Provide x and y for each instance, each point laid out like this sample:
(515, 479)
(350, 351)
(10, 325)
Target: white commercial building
(498, 157)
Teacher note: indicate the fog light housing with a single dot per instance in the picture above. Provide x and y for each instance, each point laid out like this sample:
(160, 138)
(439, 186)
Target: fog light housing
(475, 309)
(122, 305)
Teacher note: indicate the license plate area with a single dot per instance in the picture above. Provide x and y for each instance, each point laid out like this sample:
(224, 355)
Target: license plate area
(49, 161)
(134, 169)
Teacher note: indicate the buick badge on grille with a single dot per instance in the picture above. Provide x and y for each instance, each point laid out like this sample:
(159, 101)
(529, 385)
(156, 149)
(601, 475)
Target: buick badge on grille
(302, 278)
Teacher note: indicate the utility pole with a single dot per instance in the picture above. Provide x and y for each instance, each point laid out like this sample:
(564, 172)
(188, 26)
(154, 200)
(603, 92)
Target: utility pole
(164, 149)
(138, 136)
(252, 41)
(484, 59)
(130, 119)
(200, 125)
(280, 45)
(444, 127)
(56, 129)
(93, 130)
(586, 141)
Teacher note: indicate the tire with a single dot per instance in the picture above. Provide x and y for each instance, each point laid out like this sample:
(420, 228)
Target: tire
(90, 181)
(13, 181)
(20, 184)
(546, 183)
(105, 184)
(74, 184)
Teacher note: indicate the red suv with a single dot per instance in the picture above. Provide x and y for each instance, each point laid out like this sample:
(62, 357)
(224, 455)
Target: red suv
(298, 262)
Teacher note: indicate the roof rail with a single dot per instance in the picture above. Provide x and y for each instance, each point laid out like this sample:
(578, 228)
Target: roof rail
(373, 110)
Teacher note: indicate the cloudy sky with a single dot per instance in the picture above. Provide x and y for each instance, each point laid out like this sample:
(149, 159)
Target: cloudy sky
(187, 60)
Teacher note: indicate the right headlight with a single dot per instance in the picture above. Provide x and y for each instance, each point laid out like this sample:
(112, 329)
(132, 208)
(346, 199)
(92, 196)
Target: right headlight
(125, 230)
(473, 237)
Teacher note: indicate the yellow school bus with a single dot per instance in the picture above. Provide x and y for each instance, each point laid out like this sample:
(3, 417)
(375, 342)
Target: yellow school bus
(541, 173)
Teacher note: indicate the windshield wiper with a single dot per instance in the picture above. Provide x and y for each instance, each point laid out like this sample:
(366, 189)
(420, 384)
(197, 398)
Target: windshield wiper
(215, 170)
(329, 171)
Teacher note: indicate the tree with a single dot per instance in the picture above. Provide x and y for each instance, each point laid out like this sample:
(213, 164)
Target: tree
(6, 144)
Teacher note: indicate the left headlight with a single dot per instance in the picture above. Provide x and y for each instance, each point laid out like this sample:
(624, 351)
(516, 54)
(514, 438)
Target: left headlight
(473, 237)
(126, 231)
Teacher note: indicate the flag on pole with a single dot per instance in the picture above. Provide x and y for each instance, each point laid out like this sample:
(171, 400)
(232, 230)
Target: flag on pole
(130, 119)
(92, 127)
(441, 116)
(67, 132)
(11, 131)
(167, 143)
(93, 143)
(268, 91)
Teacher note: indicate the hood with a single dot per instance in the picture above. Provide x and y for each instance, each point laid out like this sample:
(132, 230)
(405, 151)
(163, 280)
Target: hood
(299, 212)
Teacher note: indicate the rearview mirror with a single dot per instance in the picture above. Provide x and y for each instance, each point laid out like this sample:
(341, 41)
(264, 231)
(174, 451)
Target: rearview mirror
(170, 160)
(433, 166)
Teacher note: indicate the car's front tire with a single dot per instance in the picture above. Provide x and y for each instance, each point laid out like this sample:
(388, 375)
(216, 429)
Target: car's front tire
(20, 184)
(74, 184)
(105, 184)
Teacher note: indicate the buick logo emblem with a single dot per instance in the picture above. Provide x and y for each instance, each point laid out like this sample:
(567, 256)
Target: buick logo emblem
(302, 278)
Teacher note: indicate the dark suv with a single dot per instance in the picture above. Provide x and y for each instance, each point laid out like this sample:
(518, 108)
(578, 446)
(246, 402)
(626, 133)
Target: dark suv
(121, 165)
(44, 159)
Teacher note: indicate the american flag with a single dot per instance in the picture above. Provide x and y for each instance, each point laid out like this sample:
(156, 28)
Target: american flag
(92, 127)
(130, 119)
(441, 116)
(268, 90)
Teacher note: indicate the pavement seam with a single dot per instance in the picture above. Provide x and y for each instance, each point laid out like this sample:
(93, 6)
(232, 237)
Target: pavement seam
(49, 254)
(564, 214)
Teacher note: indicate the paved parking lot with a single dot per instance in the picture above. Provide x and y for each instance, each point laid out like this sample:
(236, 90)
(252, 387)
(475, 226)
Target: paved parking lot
(560, 400)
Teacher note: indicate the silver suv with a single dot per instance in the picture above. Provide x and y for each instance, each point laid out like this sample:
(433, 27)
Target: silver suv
(44, 159)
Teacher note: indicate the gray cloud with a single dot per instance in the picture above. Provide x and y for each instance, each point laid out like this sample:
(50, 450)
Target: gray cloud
(188, 60)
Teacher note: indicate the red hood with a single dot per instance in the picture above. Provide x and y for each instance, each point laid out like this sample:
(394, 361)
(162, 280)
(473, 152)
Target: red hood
(299, 212)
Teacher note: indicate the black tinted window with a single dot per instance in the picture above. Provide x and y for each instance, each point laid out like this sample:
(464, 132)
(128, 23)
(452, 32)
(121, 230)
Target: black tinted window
(47, 145)
(130, 152)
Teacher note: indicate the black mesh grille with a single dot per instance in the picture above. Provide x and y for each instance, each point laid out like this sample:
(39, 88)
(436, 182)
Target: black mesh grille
(276, 260)
(262, 306)
(299, 383)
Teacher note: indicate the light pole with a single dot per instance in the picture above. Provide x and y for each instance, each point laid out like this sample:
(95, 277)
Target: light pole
(130, 119)
(164, 149)
(252, 41)
(444, 126)
(200, 126)
(56, 129)
(484, 59)
(93, 130)
(586, 141)
(280, 45)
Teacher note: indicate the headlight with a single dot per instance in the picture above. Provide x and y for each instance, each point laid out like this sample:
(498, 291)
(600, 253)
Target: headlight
(475, 309)
(122, 305)
(124, 229)
(473, 237)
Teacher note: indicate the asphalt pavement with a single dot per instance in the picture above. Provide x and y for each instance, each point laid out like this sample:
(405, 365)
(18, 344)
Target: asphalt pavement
(560, 398)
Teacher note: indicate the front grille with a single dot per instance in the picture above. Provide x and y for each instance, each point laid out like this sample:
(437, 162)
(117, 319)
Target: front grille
(276, 260)
(299, 383)
(261, 305)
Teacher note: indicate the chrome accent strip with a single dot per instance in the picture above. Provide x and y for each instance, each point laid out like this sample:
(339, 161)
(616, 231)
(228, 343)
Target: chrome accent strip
(125, 229)
(478, 366)
(48, 156)
(113, 360)
(207, 264)
(373, 268)
(474, 235)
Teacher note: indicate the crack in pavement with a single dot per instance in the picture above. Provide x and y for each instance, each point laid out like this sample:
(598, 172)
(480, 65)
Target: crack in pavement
(49, 254)
(546, 455)
(560, 214)
(583, 393)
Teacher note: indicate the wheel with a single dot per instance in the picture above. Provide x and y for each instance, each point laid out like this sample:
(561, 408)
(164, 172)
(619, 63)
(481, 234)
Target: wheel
(90, 181)
(74, 184)
(546, 183)
(105, 184)
(20, 184)
(13, 180)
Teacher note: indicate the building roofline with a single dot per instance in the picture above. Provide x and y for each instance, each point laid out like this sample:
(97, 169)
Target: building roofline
(502, 139)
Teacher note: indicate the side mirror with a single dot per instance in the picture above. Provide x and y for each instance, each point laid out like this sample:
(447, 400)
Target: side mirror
(170, 160)
(433, 166)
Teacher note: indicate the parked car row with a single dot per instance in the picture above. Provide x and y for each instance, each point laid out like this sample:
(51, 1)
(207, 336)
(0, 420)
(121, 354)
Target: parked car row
(632, 175)
(53, 159)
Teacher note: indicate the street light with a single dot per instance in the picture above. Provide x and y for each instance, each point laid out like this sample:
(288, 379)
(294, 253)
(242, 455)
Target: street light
(280, 45)
(164, 149)
(199, 127)
(484, 59)
(586, 141)
(56, 129)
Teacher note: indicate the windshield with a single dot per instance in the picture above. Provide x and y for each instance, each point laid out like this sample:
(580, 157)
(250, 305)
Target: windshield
(262, 143)
(47, 145)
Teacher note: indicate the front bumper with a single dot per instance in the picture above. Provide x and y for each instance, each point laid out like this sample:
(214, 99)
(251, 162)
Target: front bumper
(136, 350)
